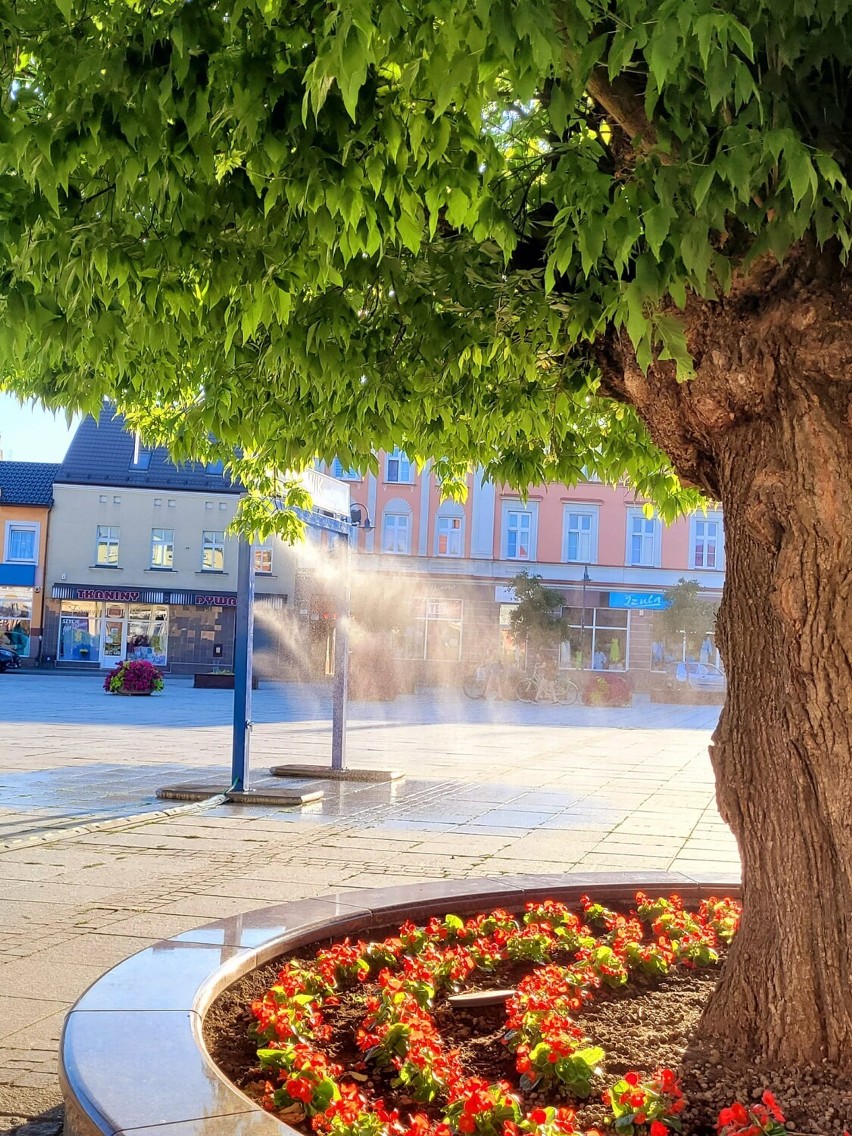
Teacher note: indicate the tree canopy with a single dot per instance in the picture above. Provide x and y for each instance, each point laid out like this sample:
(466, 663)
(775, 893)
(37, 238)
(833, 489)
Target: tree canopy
(325, 228)
(547, 238)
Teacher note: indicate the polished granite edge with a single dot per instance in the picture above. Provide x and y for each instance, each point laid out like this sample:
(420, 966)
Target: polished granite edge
(155, 1000)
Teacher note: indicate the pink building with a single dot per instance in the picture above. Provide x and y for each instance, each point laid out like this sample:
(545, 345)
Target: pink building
(591, 542)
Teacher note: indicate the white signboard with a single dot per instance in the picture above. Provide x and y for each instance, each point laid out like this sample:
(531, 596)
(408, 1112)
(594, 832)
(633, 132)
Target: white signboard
(505, 595)
(326, 492)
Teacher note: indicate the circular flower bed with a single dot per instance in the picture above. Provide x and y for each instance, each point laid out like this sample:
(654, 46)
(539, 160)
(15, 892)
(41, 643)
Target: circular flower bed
(134, 677)
(385, 1038)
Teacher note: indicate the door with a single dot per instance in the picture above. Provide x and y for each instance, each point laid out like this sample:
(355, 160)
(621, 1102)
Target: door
(113, 639)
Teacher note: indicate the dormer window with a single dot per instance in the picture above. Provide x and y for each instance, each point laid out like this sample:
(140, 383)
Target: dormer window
(141, 453)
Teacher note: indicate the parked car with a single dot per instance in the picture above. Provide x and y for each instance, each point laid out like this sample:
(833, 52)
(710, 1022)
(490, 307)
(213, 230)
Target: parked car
(8, 658)
(700, 676)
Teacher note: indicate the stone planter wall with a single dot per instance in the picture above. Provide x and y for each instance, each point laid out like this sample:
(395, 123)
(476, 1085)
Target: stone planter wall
(152, 1006)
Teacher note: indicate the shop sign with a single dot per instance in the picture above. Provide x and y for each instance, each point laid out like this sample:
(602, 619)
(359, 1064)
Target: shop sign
(645, 601)
(117, 594)
(443, 609)
(202, 600)
(505, 595)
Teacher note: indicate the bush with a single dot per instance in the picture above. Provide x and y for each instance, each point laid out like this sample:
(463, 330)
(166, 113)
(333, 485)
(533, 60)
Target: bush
(606, 690)
(136, 677)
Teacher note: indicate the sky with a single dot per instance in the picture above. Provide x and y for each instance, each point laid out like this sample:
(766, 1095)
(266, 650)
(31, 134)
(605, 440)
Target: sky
(30, 433)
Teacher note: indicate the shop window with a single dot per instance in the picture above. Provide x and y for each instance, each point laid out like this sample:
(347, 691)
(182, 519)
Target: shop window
(449, 536)
(79, 632)
(16, 610)
(396, 533)
(643, 540)
(21, 543)
(580, 537)
(107, 546)
(148, 634)
(263, 561)
(162, 548)
(597, 638)
(518, 538)
(398, 467)
(212, 551)
(435, 632)
(706, 543)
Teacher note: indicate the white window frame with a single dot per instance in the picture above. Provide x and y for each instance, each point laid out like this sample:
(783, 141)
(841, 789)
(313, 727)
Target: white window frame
(655, 535)
(710, 518)
(167, 542)
(398, 467)
(516, 509)
(213, 544)
(455, 523)
(109, 541)
(396, 516)
(24, 526)
(262, 552)
(591, 511)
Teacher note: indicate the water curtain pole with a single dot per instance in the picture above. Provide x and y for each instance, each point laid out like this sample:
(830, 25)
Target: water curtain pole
(358, 518)
(243, 636)
(586, 579)
(340, 693)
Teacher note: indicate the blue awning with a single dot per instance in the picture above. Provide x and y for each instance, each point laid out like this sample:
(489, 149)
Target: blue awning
(17, 575)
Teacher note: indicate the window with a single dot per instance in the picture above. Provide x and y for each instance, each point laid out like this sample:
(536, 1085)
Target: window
(706, 542)
(212, 551)
(21, 543)
(643, 540)
(141, 454)
(398, 467)
(216, 467)
(107, 551)
(396, 532)
(338, 471)
(263, 561)
(449, 536)
(518, 535)
(162, 548)
(580, 541)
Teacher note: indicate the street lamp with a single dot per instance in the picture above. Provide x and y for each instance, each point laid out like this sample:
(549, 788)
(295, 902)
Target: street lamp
(586, 580)
(359, 518)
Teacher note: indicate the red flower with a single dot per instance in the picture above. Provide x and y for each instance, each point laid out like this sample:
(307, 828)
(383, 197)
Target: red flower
(658, 1128)
(771, 1103)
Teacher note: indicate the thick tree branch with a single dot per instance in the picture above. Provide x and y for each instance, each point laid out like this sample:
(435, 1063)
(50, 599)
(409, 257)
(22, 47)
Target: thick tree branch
(624, 105)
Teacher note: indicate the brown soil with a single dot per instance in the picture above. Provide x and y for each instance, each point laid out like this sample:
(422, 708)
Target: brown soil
(643, 1027)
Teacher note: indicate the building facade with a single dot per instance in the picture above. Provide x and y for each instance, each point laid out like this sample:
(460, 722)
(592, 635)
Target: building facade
(595, 544)
(141, 564)
(26, 494)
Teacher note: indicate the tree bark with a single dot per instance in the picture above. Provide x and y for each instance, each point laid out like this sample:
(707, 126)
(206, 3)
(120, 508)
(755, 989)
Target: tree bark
(766, 428)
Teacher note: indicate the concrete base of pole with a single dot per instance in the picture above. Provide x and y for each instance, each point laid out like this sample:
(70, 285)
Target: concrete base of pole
(323, 773)
(264, 794)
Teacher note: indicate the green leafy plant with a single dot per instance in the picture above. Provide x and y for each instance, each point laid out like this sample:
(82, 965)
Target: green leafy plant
(134, 677)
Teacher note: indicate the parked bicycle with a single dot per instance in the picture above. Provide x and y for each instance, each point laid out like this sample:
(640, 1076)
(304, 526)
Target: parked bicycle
(538, 687)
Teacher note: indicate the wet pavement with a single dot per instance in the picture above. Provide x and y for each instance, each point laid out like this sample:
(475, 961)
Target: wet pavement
(72, 754)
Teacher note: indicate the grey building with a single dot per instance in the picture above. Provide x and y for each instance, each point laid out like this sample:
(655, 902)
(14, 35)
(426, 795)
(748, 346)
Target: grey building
(140, 563)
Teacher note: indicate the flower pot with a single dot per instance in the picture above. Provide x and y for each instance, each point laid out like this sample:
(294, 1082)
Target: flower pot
(134, 693)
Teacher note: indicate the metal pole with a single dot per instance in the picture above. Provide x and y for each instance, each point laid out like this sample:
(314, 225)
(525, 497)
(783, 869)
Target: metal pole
(340, 693)
(583, 624)
(243, 637)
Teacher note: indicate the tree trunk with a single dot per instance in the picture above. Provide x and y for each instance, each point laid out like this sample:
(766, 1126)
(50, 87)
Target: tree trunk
(766, 428)
(782, 751)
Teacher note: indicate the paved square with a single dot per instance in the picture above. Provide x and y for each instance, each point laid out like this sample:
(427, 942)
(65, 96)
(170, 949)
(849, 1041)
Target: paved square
(491, 788)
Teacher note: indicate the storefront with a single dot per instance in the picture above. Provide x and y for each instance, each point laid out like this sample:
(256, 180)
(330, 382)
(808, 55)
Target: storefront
(177, 630)
(17, 583)
(606, 630)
